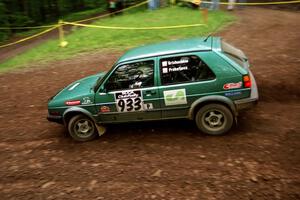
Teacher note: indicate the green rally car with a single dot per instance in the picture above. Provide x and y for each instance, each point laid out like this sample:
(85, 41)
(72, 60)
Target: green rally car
(201, 79)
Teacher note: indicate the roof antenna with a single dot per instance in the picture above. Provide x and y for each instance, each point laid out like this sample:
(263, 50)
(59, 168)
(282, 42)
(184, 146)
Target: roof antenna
(207, 37)
(212, 33)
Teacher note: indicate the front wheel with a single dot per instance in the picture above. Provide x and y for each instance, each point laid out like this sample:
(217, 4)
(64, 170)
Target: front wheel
(82, 128)
(214, 119)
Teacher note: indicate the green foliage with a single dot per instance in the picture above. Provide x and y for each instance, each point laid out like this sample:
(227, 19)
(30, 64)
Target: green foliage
(19, 20)
(83, 14)
(93, 39)
(4, 21)
(18, 13)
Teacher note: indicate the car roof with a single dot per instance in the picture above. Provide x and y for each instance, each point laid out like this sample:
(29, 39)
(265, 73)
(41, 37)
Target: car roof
(166, 48)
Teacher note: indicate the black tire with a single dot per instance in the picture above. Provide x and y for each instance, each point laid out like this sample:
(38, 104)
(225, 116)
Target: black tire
(82, 128)
(214, 119)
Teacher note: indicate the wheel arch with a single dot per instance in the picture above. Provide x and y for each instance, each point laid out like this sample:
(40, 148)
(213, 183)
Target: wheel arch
(72, 111)
(196, 105)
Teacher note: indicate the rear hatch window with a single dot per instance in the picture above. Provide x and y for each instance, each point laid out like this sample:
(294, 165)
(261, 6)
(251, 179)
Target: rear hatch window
(235, 54)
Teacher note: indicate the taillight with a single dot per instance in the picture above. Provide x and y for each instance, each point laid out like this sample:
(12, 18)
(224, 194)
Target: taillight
(247, 81)
(72, 103)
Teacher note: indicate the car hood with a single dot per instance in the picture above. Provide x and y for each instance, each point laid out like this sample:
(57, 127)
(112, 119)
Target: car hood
(78, 89)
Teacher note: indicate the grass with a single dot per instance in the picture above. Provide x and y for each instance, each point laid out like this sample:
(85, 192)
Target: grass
(93, 39)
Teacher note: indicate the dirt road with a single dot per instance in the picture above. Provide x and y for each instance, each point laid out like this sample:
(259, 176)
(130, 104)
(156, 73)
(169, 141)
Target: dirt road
(259, 159)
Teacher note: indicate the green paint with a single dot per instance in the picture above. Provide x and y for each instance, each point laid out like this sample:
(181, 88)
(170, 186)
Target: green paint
(168, 101)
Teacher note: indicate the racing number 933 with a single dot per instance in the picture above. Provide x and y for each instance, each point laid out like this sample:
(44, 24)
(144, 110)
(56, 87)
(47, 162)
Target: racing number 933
(128, 101)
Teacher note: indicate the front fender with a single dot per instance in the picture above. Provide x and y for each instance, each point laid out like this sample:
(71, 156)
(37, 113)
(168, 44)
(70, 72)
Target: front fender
(76, 109)
(211, 99)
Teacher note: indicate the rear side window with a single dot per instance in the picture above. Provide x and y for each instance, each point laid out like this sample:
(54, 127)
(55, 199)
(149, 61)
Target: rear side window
(183, 69)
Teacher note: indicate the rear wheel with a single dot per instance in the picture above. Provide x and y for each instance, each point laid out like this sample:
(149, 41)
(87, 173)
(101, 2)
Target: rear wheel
(82, 128)
(214, 119)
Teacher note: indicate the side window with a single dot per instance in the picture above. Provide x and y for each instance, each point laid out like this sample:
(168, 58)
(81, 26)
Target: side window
(184, 69)
(131, 76)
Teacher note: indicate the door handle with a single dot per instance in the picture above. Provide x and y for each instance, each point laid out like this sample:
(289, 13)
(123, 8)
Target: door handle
(150, 92)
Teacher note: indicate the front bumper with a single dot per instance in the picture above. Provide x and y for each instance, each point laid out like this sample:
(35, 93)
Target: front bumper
(252, 100)
(54, 118)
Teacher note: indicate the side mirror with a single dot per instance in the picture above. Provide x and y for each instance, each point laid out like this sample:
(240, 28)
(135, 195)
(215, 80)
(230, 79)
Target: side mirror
(102, 91)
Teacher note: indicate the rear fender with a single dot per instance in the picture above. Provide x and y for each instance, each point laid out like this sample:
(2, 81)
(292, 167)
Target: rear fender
(211, 99)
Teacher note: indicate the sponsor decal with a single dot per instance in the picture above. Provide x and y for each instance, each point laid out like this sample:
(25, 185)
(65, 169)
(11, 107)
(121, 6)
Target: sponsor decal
(148, 106)
(74, 86)
(104, 109)
(175, 97)
(72, 103)
(230, 94)
(229, 86)
(127, 94)
(129, 101)
(86, 100)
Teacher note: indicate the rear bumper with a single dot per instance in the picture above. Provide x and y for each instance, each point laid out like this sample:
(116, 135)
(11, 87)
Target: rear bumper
(252, 100)
(53, 118)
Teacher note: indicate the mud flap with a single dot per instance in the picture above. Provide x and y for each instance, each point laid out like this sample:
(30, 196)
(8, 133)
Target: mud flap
(101, 129)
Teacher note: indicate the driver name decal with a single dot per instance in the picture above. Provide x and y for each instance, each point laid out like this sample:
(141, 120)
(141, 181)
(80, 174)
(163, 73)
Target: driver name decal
(174, 66)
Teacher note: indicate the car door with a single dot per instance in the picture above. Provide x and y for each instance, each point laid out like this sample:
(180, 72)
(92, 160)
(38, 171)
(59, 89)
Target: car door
(183, 79)
(130, 93)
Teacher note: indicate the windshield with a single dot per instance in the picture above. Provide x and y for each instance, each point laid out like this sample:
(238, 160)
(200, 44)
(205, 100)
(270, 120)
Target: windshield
(235, 54)
(100, 81)
(102, 78)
